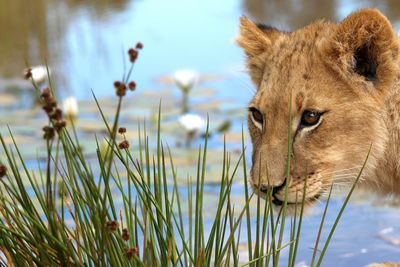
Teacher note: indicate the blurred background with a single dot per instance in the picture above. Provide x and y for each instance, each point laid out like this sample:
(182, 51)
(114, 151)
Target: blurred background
(84, 41)
(84, 44)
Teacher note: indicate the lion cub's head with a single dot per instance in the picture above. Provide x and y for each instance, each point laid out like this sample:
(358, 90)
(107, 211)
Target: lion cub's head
(337, 77)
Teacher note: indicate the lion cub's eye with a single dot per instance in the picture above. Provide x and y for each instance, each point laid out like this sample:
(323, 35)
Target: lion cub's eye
(310, 118)
(256, 115)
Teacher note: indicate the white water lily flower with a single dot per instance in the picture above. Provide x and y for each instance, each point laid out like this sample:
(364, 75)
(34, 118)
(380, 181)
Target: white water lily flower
(192, 122)
(70, 107)
(39, 73)
(186, 79)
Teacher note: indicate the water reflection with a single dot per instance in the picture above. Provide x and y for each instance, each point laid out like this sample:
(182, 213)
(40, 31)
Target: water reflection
(35, 32)
(99, 7)
(292, 14)
(83, 40)
(23, 34)
(289, 14)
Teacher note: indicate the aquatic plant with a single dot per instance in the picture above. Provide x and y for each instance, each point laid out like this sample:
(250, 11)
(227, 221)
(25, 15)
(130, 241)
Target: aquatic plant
(192, 124)
(70, 107)
(185, 80)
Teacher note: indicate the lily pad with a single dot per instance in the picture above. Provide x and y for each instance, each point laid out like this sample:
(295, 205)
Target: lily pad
(168, 79)
(202, 92)
(91, 126)
(233, 137)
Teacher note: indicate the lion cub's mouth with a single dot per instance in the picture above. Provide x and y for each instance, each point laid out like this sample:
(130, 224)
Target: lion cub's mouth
(311, 200)
(263, 192)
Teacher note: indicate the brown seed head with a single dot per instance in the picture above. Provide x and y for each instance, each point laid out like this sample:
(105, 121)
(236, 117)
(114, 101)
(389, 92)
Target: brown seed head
(121, 92)
(125, 234)
(56, 114)
(112, 225)
(28, 73)
(132, 86)
(133, 54)
(132, 59)
(48, 132)
(46, 93)
(59, 125)
(130, 252)
(120, 88)
(47, 109)
(3, 170)
(121, 130)
(123, 145)
(117, 84)
(47, 129)
(139, 45)
(51, 101)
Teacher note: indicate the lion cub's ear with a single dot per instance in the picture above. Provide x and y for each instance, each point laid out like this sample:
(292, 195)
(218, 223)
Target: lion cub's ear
(365, 44)
(255, 41)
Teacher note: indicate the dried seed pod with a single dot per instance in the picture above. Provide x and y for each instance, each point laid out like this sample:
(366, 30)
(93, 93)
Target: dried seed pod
(28, 73)
(56, 114)
(51, 101)
(132, 86)
(48, 132)
(121, 92)
(121, 130)
(59, 125)
(139, 45)
(46, 93)
(123, 145)
(3, 170)
(47, 109)
(112, 225)
(131, 51)
(117, 84)
(125, 234)
(130, 252)
(133, 54)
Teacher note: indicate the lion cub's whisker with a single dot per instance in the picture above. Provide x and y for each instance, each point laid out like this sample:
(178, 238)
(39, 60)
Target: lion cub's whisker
(342, 170)
(334, 177)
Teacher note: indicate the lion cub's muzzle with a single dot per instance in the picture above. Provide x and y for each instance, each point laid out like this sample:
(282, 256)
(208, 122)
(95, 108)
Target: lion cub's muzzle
(277, 194)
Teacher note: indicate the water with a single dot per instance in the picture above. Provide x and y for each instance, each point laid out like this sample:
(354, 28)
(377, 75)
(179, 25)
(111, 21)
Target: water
(85, 43)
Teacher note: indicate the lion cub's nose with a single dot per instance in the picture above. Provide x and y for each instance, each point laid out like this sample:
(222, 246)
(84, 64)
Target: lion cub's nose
(265, 188)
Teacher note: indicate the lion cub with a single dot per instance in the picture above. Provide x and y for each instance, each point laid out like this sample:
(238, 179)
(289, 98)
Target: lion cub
(343, 83)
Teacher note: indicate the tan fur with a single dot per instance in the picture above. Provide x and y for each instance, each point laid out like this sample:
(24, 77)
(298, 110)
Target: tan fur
(315, 68)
